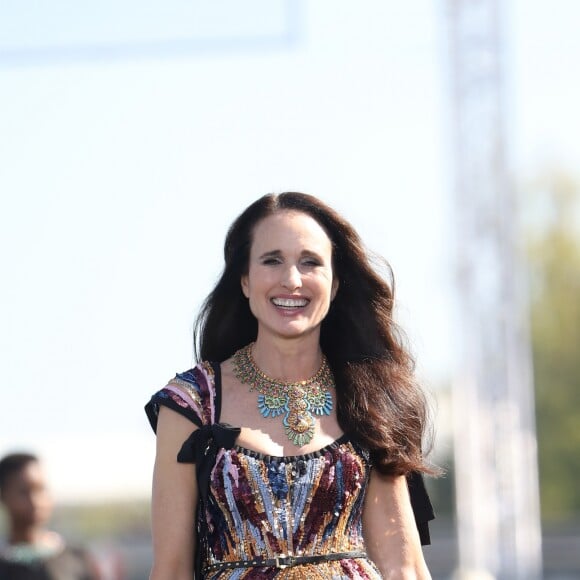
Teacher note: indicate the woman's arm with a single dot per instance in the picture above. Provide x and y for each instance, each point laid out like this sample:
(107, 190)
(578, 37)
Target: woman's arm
(174, 501)
(390, 532)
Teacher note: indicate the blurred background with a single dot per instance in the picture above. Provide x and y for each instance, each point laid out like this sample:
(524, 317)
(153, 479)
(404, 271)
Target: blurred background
(131, 135)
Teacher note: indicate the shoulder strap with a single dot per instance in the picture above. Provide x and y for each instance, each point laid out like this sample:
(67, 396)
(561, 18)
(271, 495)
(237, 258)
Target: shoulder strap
(217, 385)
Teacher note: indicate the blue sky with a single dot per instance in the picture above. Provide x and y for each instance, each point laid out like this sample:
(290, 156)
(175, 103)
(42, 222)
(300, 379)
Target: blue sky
(132, 135)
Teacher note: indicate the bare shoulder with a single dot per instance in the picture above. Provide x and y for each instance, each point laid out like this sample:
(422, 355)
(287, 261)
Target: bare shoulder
(172, 430)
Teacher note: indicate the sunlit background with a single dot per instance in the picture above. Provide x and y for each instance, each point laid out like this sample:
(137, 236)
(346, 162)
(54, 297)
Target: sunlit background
(132, 133)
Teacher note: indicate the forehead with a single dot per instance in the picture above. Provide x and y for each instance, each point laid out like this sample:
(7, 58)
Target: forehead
(30, 473)
(290, 229)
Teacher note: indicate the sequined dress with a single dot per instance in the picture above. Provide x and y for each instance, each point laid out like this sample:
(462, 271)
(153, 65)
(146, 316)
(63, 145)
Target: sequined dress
(254, 505)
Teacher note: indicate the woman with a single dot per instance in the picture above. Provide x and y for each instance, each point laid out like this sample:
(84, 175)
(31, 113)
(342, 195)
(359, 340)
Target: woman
(32, 552)
(303, 421)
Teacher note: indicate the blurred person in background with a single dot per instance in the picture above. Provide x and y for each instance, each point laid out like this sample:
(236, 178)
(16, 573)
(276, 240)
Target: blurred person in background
(31, 551)
(304, 419)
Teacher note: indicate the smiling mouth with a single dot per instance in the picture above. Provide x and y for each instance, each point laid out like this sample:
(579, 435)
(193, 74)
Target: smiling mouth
(290, 302)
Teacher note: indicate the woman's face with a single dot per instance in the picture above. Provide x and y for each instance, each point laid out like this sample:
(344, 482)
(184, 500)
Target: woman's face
(290, 281)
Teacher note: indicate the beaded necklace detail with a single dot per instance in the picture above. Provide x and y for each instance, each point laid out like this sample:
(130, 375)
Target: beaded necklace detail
(297, 401)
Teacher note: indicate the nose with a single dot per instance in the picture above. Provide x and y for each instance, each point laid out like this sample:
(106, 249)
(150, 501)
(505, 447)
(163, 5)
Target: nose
(291, 278)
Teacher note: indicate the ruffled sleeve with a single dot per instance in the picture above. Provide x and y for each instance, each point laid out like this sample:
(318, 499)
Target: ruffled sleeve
(192, 394)
(421, 504)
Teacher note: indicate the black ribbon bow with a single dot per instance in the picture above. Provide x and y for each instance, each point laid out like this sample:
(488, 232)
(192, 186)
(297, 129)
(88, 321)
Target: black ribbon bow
(202, 447)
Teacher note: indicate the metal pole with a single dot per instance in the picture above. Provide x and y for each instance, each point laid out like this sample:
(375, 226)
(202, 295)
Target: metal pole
(495, 445)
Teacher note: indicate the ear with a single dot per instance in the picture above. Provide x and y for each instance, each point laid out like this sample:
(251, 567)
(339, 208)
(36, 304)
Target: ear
(334, 289)
(245, 286)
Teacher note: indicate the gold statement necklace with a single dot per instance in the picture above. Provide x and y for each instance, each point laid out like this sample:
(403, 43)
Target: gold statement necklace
(296, 401)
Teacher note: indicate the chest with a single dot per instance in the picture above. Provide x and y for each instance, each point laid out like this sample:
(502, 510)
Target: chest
(287, 424)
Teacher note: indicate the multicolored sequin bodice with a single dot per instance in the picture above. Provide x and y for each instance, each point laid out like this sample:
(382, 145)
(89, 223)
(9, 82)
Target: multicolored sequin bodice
(256, 505)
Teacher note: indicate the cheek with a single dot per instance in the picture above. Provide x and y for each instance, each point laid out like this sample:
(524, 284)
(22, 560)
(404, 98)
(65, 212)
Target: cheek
(323, 291)
(327, 286)
(259, 280)
(43, 500)
(21, 505)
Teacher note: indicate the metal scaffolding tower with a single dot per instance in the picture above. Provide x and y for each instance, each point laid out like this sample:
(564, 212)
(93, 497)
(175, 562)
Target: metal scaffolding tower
(495, 442)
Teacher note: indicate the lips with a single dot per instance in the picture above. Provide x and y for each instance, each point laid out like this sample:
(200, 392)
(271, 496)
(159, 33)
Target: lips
(290, 302)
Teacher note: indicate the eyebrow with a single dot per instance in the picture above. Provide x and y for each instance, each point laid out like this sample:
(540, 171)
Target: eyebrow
(270, 254)
(278, 253)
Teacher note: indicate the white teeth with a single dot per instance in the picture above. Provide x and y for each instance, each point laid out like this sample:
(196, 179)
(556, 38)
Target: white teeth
(289, 302)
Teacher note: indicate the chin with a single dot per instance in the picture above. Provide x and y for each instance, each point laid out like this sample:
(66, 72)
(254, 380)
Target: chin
(296, 331)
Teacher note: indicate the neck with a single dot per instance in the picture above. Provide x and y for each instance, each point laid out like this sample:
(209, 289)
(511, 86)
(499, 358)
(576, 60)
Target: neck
(25, 534)
(288, 360)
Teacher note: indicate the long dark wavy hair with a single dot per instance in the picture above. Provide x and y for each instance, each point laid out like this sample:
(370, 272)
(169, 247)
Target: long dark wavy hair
(379, 402)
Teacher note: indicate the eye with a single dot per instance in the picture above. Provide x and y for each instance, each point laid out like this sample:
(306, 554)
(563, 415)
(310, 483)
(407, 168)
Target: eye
(312, 262)
(271, 261)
